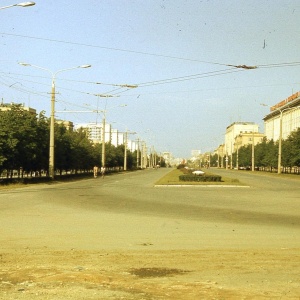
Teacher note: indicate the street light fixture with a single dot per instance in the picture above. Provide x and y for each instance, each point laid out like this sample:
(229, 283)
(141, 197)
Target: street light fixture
(52, 120)
(22, 4)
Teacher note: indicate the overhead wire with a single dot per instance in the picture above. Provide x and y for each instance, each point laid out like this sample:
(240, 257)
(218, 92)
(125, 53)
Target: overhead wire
(147, 53)
(110, 48)
(119, 90)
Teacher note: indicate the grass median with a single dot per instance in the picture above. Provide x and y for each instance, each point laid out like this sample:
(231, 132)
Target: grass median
(172, 178)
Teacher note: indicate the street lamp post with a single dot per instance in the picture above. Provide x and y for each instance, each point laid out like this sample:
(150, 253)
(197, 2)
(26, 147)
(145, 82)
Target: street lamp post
(22, 4)
(52, 115)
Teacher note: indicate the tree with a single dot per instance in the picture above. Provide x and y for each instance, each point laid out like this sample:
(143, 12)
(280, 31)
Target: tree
(291, 150)
(18, 139)
(245, 155)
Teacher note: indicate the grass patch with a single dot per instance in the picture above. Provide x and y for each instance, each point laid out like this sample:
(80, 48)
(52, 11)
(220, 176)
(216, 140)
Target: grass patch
(172, 178)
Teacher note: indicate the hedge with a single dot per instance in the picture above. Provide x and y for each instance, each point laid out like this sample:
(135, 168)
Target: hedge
(202, 178)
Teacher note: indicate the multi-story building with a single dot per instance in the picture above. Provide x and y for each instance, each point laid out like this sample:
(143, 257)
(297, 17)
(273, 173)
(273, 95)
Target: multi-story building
(235, 129)
(115, 137)
(95, 131)
(68, 124)
(8, 106)
(286, 112)
(247, 138)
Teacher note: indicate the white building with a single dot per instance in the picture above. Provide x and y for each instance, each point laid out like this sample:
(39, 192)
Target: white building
(115, 137)
(288, 111)
(8, 106)
(95, 132)
(235, 129)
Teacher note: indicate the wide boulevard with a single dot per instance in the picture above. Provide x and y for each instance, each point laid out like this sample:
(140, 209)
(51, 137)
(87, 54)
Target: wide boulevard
(199, 242)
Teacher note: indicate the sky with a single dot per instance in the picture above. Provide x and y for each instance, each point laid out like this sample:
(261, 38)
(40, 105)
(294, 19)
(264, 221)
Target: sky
(181, 55)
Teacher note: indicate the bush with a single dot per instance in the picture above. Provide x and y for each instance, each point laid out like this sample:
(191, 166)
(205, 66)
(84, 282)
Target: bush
(203, 178)
(181, 166)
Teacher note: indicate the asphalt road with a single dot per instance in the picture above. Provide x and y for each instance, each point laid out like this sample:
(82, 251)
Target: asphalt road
(121, 237)
(126, 211)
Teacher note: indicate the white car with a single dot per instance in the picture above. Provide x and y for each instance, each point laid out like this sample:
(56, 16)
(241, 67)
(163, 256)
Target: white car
(198, 172)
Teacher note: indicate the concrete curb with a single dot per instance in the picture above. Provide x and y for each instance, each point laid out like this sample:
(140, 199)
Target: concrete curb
(202, 186)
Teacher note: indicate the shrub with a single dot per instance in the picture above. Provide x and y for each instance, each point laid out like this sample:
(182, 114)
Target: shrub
(181, 166)
(203, 178)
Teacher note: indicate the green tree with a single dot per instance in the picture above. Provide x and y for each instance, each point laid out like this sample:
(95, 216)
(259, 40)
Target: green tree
(18, 139)
(291, 150)
(41, 161)
(245, 156)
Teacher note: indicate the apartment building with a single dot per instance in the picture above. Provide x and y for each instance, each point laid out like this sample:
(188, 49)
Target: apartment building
(95, 131)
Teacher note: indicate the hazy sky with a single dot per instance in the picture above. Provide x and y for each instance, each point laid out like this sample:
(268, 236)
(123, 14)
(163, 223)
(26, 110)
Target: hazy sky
(177, 52)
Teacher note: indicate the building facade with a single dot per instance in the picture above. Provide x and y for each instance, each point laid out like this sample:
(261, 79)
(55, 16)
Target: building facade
(235, 129)
(244, 139)
(8, 106)
(95, 132)
(68, 124)
(287, 113)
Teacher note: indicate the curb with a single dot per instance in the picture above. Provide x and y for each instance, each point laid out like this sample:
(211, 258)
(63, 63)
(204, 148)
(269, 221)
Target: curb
(202, 186)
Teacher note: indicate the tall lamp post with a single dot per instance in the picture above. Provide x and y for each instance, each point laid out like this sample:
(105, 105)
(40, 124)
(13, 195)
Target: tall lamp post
(52, 120)
(22, 4)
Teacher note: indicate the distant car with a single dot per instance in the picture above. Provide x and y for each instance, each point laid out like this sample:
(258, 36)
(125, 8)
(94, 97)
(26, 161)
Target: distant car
(198, 172)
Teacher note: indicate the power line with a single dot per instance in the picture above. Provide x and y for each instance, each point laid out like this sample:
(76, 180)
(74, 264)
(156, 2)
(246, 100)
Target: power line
(190, 77)
(151, 54)
(111, 48)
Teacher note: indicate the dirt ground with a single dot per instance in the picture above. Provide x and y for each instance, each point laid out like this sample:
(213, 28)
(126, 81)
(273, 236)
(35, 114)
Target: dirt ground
(149, 274)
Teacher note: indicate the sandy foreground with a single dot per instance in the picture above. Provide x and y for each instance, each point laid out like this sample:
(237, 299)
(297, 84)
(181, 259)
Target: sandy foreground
(146, 274)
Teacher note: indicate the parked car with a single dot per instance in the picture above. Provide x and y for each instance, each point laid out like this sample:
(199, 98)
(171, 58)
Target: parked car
(198, 172)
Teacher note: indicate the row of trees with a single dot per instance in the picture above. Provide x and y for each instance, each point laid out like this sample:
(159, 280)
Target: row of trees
(266, 155)
(24, 146)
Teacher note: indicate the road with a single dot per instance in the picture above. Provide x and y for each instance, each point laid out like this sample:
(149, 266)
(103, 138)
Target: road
(122, 237)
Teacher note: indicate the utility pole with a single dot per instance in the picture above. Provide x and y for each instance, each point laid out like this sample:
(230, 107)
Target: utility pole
(103, 141)
(138, 153)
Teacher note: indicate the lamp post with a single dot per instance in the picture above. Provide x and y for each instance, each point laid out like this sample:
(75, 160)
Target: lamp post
(52, 120)
(22, 4)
